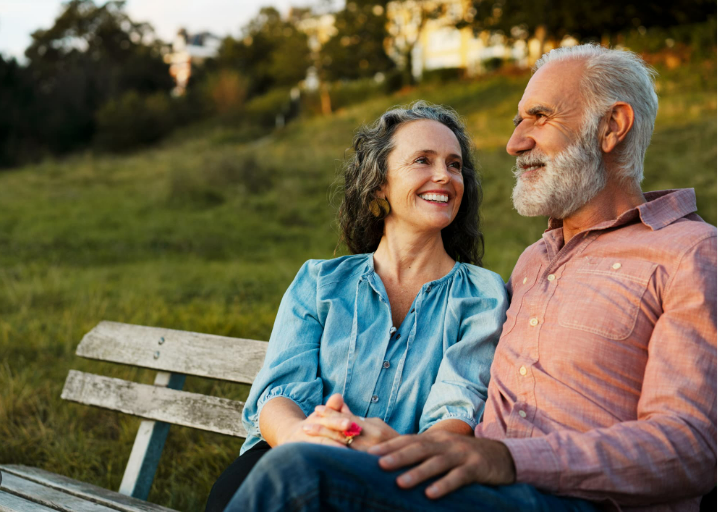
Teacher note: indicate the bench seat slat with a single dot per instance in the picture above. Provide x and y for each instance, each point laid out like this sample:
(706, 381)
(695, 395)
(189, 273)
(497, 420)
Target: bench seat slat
(194, 410)
(12, 503)
(203, 355)
(82, 490)
(49, 497)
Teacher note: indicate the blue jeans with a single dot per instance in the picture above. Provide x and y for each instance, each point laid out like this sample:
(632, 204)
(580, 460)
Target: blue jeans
(309, 477)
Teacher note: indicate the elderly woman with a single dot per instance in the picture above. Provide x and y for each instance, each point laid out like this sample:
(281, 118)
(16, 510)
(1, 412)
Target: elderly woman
(400, 335)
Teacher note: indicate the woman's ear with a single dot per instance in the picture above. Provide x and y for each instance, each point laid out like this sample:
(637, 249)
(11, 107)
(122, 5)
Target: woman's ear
(619, 124)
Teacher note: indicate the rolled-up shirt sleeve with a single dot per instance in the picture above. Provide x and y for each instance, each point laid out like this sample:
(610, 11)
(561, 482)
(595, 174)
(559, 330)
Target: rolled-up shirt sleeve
(291, 366)
(460, 388)
(669, 451)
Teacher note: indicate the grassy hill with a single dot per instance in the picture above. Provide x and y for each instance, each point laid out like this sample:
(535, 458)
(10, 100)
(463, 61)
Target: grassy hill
(205, 232)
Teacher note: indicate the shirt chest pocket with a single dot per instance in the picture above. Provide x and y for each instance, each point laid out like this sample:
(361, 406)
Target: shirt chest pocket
(603, 296)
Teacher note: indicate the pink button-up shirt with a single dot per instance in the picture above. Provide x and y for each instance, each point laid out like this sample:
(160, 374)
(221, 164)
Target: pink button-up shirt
(603, 384)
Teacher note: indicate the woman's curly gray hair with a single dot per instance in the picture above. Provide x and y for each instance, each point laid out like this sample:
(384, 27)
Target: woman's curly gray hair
(366, 169)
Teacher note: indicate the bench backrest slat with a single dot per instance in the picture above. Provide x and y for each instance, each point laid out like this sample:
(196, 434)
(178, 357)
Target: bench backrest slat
(204, 355)
(202, 412)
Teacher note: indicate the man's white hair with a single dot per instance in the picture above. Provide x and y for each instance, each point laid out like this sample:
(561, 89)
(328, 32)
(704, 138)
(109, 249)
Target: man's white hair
(611, 76)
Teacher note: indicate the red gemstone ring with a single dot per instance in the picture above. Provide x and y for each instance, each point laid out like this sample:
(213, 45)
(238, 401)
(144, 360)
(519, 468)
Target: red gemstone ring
(350, 433)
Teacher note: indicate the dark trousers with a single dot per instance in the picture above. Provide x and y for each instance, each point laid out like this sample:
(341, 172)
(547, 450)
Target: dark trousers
(232, 477)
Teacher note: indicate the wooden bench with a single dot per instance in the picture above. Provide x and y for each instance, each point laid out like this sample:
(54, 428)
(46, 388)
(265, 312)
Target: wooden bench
(175, 354)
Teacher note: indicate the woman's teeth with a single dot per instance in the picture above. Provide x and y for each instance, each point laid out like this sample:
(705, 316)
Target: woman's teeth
(437, 198)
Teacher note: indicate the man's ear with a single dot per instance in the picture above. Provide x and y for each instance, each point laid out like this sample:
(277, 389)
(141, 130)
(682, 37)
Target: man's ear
(619, 124)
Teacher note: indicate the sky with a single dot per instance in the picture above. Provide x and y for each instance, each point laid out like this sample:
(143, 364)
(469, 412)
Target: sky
(20, 18)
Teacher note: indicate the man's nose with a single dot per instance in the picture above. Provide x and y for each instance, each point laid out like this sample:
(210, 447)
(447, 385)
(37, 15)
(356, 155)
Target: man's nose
(519, 142)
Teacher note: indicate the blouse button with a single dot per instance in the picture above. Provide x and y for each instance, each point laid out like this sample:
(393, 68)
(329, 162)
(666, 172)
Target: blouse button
(533, 322)
(386, 364)
(522, 370)
(525, 279)
(551, 277)
(374, 398)
(616, 266)
(522, 414)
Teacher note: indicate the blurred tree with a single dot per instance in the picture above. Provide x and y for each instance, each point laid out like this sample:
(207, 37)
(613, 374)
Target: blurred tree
(586, 20)
(357, 50)
(16, 96)
(90, 55)
(271, 52)
(405, 28)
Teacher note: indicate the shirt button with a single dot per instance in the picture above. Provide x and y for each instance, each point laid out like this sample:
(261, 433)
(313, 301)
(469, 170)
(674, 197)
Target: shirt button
(522, 370)
(616, 266)
(386, 364)
(392, 330)
(525, 279)
(551, 277)
(374, 398)
(533, 322)
(522, 414)
(428, 289)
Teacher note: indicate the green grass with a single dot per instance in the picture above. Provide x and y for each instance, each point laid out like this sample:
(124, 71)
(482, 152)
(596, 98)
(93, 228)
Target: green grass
(205, 232)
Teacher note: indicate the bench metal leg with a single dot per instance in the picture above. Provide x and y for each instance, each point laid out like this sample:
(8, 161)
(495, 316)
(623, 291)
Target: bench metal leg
(149, 443)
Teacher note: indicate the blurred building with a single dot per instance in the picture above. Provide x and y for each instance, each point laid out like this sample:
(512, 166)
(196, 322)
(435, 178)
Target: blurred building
(187, 51)
(424, 35)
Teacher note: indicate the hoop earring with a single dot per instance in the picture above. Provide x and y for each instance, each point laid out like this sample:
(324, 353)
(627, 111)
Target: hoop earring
(379, 207)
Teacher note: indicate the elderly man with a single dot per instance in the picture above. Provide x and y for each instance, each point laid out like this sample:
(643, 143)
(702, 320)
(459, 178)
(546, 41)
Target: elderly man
(603, 390)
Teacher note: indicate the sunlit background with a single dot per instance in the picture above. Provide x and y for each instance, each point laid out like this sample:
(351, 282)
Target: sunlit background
(171, 163)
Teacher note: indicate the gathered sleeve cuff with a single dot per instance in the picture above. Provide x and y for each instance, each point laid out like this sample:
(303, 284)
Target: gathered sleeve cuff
(291, 366)
(461, 386)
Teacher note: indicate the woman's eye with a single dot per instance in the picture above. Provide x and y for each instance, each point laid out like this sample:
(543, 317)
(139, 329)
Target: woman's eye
(422, 160)
(455, 165)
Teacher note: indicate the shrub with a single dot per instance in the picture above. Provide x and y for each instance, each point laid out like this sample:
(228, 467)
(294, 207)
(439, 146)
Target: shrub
(226, 91)
(263, 110)
(442, 75)
(133, 120)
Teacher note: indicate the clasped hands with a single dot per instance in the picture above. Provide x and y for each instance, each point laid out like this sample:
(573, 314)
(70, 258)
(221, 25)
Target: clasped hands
(462, 459)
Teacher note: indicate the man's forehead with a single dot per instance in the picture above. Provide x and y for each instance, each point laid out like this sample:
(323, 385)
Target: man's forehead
(553, 84)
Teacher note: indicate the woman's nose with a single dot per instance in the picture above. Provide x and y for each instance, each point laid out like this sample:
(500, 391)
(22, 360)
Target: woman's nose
(442, 173)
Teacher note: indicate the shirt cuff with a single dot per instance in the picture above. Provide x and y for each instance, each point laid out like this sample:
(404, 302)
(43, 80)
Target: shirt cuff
(306, 407)
(535, 462)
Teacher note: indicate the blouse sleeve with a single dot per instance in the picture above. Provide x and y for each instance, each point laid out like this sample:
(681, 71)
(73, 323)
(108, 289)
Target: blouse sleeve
(461, 386)
(291, 366)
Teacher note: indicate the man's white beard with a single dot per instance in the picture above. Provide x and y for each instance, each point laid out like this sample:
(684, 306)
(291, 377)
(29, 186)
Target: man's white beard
(567, 182)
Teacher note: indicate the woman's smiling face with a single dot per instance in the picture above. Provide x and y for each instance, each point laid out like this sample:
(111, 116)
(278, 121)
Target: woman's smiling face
(424, 183)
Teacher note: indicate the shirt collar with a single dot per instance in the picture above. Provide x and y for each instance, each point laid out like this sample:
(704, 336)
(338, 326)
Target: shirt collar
(662, 207)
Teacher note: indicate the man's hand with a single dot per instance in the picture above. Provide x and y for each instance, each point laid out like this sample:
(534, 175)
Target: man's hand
(462, 460)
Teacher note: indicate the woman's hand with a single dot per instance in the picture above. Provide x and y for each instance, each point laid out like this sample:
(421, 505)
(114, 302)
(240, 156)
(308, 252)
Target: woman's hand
(329, 421)
(300, 432)
(281, 421)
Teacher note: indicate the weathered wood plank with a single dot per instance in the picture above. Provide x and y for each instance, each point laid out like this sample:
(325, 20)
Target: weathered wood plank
(148, 446)
(202, 412)
(12, 503)
(49, 497)
(83, 490)
(204, 355)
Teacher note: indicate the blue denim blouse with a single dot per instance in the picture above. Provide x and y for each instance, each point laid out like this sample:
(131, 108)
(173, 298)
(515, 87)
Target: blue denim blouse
(334, 334)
